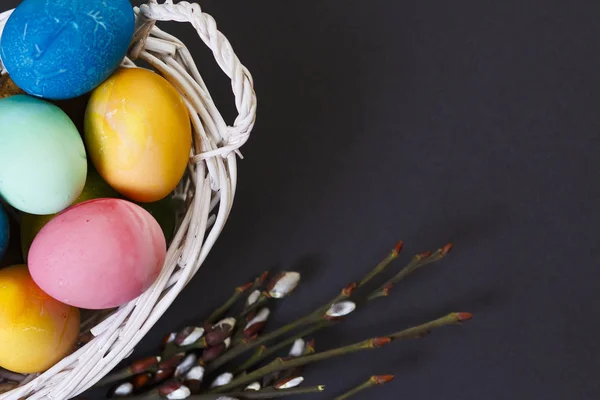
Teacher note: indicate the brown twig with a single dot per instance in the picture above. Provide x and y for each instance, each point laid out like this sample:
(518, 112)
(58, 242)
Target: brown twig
(309, 319)
(271, 393)
(253, 360)
(373, 381)
(237, 294)
(161, 369)
(150, 364)
(246, 346)
(369, 344)
(417, 262)
(269, 351)
(349, 290)
(262, 300)
(382, 265)
(267, 393)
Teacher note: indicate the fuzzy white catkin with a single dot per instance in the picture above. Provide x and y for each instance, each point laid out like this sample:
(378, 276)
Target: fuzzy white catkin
(286, 284)
(179, 394)
(124, 389)
(341, 309)
(262, 316)
(222, 380)
(253, 297)
(292, 383)
(171, 337)
(254, 386)
(196, 334)
(185, 365)
(297, 348)
(196, 373)
(227, 321)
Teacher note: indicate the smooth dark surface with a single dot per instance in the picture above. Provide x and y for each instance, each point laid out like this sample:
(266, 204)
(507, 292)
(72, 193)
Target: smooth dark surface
(430, 121)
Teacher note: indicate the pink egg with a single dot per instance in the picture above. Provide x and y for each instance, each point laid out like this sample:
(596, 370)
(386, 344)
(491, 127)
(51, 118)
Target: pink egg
(98, 254)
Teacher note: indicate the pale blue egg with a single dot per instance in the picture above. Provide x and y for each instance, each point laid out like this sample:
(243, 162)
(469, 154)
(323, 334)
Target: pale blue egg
(43, 164)
(61, 49)
(4, 232)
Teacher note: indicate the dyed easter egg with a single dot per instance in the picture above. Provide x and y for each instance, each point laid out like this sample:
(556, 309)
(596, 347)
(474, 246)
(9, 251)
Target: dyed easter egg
(62, 49)
(98, 254)
(138, 134)
(43, 163)
(36, 331)
(4, 232)
(95, 188)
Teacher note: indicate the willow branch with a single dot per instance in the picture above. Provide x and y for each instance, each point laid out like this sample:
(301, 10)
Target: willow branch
(268, 393)
(373, 381)
(253, 360)
(347, 292)
(262, 300)
(382, 265)
(416, 263)
(149, 364)
(311, 318)
(369, 344)
(237, 294)
(269, 351)
(245, 346)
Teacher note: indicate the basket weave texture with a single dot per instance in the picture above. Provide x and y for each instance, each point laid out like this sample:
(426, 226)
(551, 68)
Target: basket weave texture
(207, 191)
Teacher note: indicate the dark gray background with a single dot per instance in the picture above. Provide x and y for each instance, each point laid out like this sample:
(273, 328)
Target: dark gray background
(430, 121)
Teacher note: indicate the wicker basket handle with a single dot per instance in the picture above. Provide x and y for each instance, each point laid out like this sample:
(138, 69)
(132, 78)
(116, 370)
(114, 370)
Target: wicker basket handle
(241, 79)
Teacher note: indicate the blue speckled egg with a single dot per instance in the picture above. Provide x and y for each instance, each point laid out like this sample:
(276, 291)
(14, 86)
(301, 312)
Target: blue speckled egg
(4, 232)
(61, 49)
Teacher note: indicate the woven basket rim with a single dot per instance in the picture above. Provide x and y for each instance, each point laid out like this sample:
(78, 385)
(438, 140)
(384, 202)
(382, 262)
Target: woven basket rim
(208, 192)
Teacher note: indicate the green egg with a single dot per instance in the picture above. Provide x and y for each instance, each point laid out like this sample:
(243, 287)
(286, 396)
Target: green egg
(42, 157)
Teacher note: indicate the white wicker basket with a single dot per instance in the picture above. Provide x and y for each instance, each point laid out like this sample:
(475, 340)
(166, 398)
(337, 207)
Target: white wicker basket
(208, 192)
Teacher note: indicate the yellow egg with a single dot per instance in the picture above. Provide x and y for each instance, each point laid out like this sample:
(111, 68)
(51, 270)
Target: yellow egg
(138, 134)
(36, 331)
